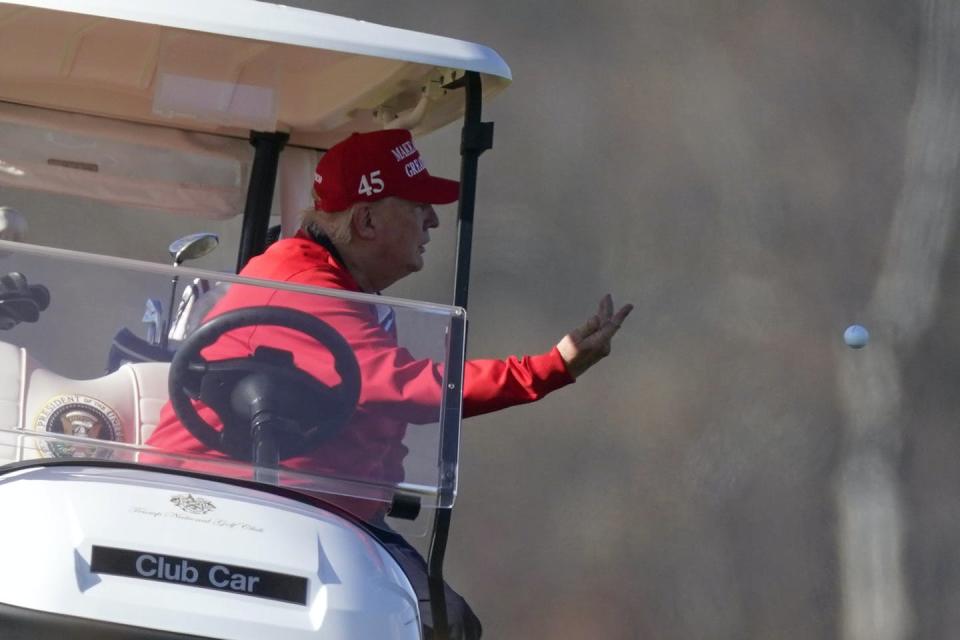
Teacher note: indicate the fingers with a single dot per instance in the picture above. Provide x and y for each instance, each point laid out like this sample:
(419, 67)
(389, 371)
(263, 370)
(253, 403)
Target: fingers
(621, 315)
(585, 346)
(603, 318)
(606, 316)
(605, 308)
(603, 325)
(605, 332)
(588, 328)
(595, 322)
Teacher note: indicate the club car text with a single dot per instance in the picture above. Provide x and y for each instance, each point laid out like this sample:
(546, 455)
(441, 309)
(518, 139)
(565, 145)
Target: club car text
(199, 573)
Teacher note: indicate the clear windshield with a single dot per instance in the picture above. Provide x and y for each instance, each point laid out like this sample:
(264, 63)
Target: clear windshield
(350, 396)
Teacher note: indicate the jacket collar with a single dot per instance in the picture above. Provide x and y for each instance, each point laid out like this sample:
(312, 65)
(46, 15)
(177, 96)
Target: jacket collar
(325, 242)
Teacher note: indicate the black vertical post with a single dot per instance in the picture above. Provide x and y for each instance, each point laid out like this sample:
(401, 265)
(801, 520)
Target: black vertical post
(263, 179)
(476, 138)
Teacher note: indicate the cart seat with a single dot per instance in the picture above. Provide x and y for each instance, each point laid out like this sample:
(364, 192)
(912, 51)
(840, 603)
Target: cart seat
(122, 406)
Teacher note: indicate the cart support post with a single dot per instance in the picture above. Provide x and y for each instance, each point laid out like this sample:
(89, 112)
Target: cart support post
(263, 179)
(476, 138)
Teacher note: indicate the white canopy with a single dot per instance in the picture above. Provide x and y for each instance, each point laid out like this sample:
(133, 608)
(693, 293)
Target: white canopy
(229, 66)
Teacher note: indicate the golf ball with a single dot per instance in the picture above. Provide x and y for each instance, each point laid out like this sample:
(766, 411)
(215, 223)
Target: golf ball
(856, 336)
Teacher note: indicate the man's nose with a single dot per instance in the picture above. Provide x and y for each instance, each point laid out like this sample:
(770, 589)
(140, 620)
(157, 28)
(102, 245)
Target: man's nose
(431, 221)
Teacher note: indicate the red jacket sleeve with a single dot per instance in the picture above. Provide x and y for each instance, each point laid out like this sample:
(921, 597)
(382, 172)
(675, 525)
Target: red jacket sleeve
(408, 388)
(490, 385)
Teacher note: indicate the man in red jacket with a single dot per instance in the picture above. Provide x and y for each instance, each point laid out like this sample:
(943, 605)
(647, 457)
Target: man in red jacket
(374, 210)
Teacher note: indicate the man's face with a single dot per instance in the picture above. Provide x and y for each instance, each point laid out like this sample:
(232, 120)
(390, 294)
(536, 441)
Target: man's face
(403, 233)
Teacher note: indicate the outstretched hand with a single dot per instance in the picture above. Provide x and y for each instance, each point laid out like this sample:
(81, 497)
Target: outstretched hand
(587, 345)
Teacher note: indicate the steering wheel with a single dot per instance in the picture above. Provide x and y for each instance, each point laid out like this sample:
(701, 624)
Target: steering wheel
(265, 388)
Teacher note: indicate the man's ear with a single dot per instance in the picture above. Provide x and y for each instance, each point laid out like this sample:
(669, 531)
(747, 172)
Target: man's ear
(363, 223)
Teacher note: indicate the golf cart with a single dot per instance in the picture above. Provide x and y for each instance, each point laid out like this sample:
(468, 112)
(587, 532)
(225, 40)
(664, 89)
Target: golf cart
(208, 111)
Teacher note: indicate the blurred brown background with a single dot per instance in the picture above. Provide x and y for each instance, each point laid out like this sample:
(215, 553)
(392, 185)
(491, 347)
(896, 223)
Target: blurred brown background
(754, 176)
(749, 174)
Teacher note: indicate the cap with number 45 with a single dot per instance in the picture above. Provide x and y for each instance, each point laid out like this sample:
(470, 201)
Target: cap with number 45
(371, 166)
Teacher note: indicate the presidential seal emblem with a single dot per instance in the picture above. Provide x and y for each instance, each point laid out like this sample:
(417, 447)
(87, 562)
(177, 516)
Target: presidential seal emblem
(80, 416)
(192, 504)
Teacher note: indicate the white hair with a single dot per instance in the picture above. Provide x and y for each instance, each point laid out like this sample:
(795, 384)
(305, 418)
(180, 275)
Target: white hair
(335, 225)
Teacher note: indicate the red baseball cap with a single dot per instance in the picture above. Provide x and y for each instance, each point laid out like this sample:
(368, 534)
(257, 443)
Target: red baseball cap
(371, 166)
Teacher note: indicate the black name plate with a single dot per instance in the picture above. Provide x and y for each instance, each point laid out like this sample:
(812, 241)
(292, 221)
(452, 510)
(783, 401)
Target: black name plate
(191, 572)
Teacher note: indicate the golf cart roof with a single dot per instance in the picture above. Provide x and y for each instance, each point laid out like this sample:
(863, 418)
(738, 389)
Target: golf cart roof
(231, 66)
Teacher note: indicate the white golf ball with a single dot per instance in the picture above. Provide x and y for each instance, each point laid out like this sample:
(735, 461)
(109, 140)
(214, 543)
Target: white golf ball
(856, 336)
